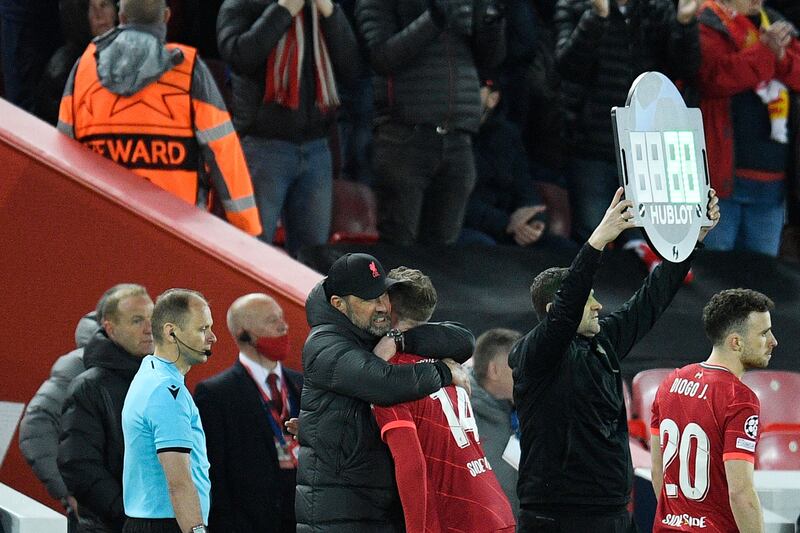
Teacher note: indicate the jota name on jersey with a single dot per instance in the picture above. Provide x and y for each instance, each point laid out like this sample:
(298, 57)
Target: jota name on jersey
(688, 388)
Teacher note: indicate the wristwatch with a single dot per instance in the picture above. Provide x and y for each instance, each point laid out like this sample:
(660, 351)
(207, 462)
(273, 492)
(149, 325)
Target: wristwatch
(399, 340)
(201, 528)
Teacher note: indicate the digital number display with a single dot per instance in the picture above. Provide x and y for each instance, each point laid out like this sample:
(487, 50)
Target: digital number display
(665, 167)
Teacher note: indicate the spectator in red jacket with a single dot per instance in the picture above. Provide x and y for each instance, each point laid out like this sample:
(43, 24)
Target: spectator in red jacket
(750, 64)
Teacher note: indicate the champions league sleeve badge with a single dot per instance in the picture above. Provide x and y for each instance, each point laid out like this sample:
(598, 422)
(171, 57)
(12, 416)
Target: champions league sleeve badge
(661, 157)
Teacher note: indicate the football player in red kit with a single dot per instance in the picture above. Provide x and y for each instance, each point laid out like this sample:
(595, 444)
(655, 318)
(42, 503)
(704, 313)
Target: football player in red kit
(705, 423)
(445, 482)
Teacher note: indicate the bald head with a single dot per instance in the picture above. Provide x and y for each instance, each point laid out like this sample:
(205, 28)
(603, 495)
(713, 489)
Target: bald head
(256, 314)
(143, 11)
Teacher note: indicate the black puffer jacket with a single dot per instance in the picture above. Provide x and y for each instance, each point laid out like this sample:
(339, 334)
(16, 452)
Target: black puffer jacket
(600, 58)
(247, 32)
(91, 444)
(345, 479)
(426, 74)
(75, 26)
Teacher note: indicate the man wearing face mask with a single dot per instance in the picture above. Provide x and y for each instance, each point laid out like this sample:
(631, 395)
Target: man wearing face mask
(243, 409)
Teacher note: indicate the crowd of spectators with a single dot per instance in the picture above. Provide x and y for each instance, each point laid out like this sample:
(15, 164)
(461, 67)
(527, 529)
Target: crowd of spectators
(457, 112)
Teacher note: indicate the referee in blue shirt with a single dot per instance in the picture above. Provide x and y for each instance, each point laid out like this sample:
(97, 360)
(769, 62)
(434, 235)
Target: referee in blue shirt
(165, 480)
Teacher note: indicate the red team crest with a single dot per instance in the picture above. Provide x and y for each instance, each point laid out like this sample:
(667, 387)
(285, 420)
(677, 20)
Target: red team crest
(708, 420)
(374, 270)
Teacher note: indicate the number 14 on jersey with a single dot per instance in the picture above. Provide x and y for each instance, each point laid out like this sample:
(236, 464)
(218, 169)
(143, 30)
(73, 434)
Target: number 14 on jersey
(460, 421)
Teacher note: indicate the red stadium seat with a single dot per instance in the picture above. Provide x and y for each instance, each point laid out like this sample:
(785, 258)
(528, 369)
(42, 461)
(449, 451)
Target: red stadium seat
(645, 386)
(354, 216)
(778, 450)
(779, 394)
(354, 213)
(556, 199)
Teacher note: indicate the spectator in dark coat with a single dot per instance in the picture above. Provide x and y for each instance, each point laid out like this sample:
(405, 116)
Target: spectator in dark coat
(29, 35)
(284, 121)
(602, 47)
(504, 208)
(81, 20)
(427, 106)
(91, 449)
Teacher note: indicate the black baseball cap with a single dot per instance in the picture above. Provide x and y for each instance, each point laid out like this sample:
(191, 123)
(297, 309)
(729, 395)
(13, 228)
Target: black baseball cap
(359, 275)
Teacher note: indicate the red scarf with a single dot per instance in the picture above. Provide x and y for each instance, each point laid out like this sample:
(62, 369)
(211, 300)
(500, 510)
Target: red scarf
(284, 66)
(773, 93)
(741, 29)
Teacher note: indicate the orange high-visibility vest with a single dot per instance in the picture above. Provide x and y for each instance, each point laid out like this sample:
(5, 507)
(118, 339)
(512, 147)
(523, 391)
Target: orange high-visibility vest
(165, 133)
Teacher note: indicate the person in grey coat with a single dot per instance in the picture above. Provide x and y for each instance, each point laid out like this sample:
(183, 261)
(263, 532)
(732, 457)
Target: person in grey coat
(41, 423)
(40, 427)
(492, 390)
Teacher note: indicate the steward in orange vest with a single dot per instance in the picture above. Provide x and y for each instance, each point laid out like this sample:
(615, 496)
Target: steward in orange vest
(155, 109)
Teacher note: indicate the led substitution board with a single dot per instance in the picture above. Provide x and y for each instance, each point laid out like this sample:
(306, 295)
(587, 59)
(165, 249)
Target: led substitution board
(661, 157)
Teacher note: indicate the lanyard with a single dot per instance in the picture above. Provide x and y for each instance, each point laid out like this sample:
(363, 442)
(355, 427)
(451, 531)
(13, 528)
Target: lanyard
(273, 416)
(515, 422)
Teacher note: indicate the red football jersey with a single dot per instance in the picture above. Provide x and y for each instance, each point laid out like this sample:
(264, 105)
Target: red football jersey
(463, 491)
(704, 416)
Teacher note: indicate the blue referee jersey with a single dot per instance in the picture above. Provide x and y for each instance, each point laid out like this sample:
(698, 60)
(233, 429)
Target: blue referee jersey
(160, 415)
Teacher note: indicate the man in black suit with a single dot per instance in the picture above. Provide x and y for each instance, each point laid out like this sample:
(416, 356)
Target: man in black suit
(243, 409)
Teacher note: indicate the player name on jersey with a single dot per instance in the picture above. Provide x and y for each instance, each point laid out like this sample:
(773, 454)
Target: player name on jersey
(688, 388)
(479, 466)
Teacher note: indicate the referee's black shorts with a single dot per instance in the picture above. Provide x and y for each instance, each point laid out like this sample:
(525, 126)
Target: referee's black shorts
(151, 525)
(575, 521)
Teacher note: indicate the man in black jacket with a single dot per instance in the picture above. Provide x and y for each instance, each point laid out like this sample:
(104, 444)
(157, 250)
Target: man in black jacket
(602, 47)
(575, 471)
(504, 208)
(425, 54)
(345, 477)
(285, 55)
(91, 446)
(243, 411)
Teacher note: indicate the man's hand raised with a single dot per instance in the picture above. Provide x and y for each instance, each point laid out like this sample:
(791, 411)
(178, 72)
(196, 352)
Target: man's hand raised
(293, 6)
(601, 8)
(617, 219)
(713, 214)
(777, 37)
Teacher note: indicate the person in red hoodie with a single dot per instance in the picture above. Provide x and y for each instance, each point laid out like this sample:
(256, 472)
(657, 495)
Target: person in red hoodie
(750, 64)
